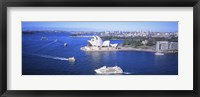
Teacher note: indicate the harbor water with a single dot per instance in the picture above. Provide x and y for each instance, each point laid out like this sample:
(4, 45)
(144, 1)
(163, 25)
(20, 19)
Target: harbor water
(49, 57)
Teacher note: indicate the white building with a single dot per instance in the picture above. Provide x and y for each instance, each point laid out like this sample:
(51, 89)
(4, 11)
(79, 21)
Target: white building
(173, 46)
(166, 46)
(106, 43)
(96, 41)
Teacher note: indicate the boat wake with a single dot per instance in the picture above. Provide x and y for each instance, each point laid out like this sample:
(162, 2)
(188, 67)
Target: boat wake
(50, 57)
(53, 57)
(42, 47)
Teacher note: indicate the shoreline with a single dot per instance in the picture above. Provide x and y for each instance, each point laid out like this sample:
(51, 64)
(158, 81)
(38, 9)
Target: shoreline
(136, 49)
(110, 49)
(91, 37)
(91, 49)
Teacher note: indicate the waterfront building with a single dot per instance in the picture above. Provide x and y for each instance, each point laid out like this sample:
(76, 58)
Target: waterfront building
(173, 46)
(97, 44)
(106, 43)
(162, 45)
(96, 41)
(166, 46)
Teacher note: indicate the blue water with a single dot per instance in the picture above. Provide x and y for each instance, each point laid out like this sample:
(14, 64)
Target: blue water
(46, 57)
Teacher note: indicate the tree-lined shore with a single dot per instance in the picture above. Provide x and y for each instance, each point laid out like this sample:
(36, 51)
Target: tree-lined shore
(141, 41)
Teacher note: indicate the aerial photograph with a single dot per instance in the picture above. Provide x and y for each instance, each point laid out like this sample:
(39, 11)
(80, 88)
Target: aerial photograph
(100, 48)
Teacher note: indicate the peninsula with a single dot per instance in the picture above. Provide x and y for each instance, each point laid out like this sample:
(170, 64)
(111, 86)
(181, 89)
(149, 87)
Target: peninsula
(97, 44)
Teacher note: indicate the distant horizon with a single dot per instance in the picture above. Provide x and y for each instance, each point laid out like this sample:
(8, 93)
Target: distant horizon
(96, 31)
(102, 26)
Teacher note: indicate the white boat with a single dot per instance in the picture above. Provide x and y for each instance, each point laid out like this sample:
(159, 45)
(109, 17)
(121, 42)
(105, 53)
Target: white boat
(109, 70)
(43, 38)
(159, 53)
(71, 59)
(65, 44)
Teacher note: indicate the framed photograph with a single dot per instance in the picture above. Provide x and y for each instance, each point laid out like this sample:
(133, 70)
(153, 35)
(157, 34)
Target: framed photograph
(110, 48)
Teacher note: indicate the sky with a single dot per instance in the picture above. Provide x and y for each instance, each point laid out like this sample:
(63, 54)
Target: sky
(103, 26)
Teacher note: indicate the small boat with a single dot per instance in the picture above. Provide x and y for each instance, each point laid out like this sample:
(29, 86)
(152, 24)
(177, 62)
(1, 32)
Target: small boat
(159, 53)
(109, 70)
(65, 44)
(43, 38)
(71, 59)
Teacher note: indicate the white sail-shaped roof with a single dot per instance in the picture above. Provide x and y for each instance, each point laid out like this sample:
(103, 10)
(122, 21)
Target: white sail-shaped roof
(106, 43)
(96, 41)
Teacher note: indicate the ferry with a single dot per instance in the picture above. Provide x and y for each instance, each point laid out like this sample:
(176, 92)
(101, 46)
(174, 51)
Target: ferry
(159, 53)
(109, 70)
(71, 59)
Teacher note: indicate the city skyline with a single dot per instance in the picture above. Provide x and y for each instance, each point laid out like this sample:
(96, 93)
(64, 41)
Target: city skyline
(171, 26)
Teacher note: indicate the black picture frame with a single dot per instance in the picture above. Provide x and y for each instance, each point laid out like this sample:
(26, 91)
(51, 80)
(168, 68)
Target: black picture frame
(98, 3)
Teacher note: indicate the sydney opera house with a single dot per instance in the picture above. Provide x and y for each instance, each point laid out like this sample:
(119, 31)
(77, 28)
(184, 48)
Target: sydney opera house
(97, 44)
